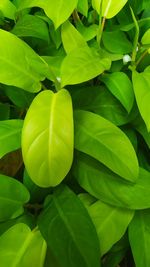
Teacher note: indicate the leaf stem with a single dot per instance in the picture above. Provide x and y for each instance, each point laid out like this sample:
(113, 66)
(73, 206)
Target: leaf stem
(100, 29)
(135, 43)
(76, 17)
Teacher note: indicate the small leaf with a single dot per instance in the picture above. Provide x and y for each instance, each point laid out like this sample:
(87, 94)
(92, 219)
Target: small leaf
(139, 237)
(146, 38)
(21, 67)
(13, 195)
(141, 85)
(110, 8)
(10, 136)
(121, 87)
(81, 65)
(48, 150)
(29, 247)
(71, 38)
(105, 185)
(82, 7)
(66, 227)
(105, 142)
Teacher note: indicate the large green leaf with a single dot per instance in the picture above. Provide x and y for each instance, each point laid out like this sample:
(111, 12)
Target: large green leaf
(21, 67)
(71, 38)
(12, 197)
(141, 85)
(8, 9)
(105, 142)
(58, 11)
(82, 64)
(100, 182)
(110, 222)
(22, 247)
(121, 87)
(29, 25)
(109, 7)
(69, 231)
(48, 150)
(139, 236)
(10, 136)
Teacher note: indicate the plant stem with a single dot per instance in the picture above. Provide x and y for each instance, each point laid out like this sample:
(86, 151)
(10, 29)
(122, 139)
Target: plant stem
(100, 30)
(135, 43)
(76, 17)
(141, 57)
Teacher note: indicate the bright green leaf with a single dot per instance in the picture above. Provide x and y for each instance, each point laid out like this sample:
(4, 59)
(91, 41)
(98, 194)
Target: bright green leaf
(82, 64)
(139, 237)
(8, 9)
(22, 247)
(110, 222)
(48, 150)
(71, 38)
(105, 142)
(58, 11)
(12, 197)
(21, 67)
(67, 226)
(10, 136)
(146, 37)
(82, 7)
(141, 85)
(103, 184)
(121, 87)
(110, 8)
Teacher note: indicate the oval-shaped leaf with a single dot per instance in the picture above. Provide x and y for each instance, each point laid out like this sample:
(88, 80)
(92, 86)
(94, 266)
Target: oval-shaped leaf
(121, 87)
(100, 182)
(58, 11)
(110, 8)
(71, 38)
(110, 222)
(141, 85)
(81, 65)
(21, 67)
(66, 227)
(13, 195)
(139, 237)
(29, 247)
(48, 149)
(10, 136)
(105, 142)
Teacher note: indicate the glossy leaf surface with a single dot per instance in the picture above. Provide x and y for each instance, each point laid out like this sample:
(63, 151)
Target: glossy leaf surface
(102, 140)
(109, 7)
(29, 247)
(48, 151)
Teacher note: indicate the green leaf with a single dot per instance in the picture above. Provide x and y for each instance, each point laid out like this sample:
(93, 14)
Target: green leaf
(105, 142)
(146, 38)
(29, 25)
(71, 38)
(54, 63)
(12, 197)
(29, 247)
(103, 184)
(4, 111)
(110, 8)
(10, 136)
(121, 87)
(21, 67)
(66, 227)
(82, 7)
(58, 11)
(48, 150)
(116, 42)
(139, 237)
(141, 85)
(81, 65)
(8, 9)
(110, 222)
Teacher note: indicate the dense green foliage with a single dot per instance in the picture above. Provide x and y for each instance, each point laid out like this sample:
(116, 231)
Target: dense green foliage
(74, 133)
